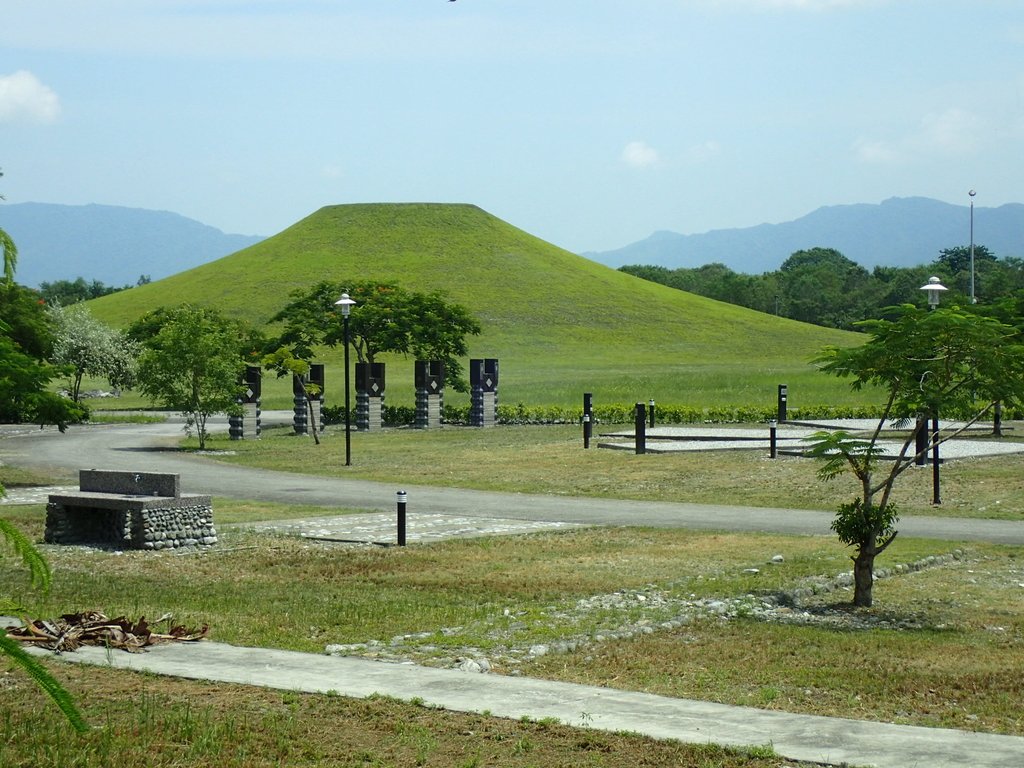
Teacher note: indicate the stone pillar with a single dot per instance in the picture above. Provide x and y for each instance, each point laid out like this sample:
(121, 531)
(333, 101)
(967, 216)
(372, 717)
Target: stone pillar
(483, 380)
(247, 426)
(369, 396)
(429, 393)
(300, 415)
(316, 379)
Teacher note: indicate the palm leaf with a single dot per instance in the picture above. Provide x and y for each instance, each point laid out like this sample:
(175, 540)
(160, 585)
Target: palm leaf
(44, 680)
(37, 566)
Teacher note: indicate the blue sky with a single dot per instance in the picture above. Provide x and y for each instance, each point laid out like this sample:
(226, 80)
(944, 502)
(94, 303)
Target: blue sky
(588, 123)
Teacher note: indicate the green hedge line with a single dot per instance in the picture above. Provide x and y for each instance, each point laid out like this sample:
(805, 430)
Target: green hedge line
(624, 413)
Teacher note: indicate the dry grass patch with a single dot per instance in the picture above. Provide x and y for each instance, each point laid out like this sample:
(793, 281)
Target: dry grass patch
(163, 722)
(939, 649)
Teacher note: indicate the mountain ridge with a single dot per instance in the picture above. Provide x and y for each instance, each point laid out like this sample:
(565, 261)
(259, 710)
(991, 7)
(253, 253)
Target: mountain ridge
(898, 232)
(112, 244)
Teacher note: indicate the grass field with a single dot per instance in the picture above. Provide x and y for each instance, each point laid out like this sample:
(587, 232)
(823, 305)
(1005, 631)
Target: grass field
(672, 612)
(628, 608)
(551, 460)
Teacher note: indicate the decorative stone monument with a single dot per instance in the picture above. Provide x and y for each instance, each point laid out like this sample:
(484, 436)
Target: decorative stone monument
(304, 402)
(369, 396)
(300, 416)
(429, 393)
(483, 381)
(247, 426)
(315, 378)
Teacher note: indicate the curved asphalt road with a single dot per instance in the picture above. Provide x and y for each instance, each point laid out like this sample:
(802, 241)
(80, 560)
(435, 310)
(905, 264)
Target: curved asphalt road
(148, 447)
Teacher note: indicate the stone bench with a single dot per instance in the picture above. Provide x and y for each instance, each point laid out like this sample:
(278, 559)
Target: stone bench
(131, 510)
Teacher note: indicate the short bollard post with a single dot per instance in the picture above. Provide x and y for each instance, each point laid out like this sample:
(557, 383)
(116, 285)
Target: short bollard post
(402, 498)
(588, 423)
(773, 434)
(921, 442)
(650, 405)
(783, 401)
(641, 429)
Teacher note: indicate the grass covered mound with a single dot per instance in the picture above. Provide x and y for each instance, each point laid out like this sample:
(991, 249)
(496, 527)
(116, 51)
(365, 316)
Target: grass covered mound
(560, 324)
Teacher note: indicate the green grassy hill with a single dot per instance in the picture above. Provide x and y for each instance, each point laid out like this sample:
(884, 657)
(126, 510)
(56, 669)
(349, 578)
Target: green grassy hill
(559, 323)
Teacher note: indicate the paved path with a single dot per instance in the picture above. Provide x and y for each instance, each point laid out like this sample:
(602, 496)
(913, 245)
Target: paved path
(825, 740)
(799, 737)
(149, 447)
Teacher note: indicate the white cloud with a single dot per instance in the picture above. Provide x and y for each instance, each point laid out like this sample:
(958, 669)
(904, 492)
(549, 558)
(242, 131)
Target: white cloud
(703, 152)
(875, 151)
(952, 131)
(332, 171)
(637, 154)
(801, 5)
(944, 134)
(23, 97)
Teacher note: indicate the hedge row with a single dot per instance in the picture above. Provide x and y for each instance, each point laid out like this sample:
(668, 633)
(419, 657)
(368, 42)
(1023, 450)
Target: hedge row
(623, 413)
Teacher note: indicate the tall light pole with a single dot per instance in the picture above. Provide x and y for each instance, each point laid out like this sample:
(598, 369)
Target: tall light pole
(346, 305)
(971, 195)
(934, 289)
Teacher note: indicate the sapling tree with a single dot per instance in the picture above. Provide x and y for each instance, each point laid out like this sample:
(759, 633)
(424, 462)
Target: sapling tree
(191, 362)
(948, 360)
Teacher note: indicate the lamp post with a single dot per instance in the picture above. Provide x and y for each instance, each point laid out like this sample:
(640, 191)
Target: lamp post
(971, 195)
(346, 305)
(934, 289)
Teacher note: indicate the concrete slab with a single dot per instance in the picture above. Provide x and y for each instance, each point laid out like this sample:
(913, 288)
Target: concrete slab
(378, 528)
(831, 741)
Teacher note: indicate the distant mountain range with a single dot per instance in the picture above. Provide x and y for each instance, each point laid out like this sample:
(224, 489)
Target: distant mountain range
(899, 232)
(111, 244)
(116, 245)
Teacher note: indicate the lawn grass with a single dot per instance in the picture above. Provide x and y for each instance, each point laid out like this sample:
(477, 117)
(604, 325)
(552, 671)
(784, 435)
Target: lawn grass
(936, 649)
(551, 460)
(165, 723)
(931, 652)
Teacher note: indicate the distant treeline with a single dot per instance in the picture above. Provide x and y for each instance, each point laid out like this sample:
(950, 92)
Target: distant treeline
(823, 287)
(68, 292)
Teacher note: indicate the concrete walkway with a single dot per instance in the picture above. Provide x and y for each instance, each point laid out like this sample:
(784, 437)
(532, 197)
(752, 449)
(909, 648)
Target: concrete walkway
(832, 741)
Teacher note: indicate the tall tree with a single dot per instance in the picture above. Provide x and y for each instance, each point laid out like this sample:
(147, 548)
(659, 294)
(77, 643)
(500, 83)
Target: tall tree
(9, 251)
(386, 318)
(88, 347)
(192, 363)
(947, 360)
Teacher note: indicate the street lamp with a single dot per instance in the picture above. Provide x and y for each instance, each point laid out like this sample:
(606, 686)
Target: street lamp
(971, 195)
(934, 289)
(346, 305)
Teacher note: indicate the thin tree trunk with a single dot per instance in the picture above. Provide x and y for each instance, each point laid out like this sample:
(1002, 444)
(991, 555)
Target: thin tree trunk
(863, 575)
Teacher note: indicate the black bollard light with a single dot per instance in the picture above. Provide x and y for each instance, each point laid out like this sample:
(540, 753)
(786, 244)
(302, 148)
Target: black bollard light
(773, 435)
(401, 497)
(641, 429)
(588, 422)
(650, 405)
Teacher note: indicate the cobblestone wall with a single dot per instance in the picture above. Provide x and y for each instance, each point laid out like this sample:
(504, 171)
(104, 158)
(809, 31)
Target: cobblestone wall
(155, 528)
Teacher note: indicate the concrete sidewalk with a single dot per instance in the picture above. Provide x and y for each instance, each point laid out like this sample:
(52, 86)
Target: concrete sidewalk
(825, 740)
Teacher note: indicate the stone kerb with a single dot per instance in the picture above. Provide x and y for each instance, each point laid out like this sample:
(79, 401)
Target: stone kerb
(135, 510)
